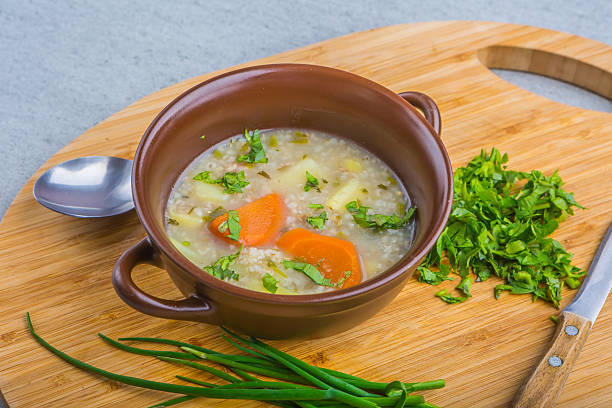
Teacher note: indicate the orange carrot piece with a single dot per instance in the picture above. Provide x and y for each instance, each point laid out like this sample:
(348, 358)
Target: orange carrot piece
(260, 221)
(338, 255)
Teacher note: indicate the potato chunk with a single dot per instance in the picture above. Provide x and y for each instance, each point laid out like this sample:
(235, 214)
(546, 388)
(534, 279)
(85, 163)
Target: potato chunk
(185, 220)
(210, 193)
(348, 192)
(296, 174)
(352, 165)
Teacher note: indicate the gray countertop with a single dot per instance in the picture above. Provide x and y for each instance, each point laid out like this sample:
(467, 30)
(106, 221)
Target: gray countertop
(68, 65)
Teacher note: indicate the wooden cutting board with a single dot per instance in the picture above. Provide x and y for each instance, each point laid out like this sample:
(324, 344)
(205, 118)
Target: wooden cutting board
(59, 268)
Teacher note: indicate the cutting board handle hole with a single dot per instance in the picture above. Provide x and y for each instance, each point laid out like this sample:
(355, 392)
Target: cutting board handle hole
(565, 75)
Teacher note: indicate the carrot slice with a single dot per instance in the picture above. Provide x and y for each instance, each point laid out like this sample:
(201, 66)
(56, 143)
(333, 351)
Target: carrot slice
(337, 255)
(260, 221)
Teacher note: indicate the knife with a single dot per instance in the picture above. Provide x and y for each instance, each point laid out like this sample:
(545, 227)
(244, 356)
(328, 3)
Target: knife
(542, 389)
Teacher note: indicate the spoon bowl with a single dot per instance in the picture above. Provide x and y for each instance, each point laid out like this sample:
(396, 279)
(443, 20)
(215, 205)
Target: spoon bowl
(87, 187)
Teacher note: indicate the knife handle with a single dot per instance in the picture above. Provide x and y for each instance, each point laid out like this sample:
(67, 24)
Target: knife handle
(543, 387)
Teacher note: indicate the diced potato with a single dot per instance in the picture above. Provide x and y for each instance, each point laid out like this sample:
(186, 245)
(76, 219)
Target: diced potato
(210, 193)
(185, 250)
(348, 192)
(296, 174)
(352, 165)
(185, 220)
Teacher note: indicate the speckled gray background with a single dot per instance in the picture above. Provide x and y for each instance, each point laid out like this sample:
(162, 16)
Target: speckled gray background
(65, 66)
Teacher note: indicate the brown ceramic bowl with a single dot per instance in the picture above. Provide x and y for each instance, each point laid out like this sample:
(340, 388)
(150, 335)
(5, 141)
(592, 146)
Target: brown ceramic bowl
(273, 96)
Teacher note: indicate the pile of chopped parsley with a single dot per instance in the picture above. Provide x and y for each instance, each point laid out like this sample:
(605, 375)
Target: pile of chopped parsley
(498, 228)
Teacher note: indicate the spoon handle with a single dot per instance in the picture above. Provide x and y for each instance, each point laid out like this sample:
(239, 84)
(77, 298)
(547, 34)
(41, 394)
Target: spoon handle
(543, 387)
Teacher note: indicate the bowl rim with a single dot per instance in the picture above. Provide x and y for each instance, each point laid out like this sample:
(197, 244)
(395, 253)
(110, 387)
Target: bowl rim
(161, 242)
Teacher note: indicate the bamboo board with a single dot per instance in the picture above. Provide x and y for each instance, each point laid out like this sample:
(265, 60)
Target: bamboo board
(58, 267)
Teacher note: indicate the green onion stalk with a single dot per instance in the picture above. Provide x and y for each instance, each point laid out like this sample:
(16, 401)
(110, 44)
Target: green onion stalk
(301, 385)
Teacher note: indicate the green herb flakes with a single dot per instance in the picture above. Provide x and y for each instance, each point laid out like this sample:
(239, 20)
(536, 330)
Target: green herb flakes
(186, 243)
(434, 277)
(220, 269)
(315, 206)
(347, 274)
(232, 224)
(172, 221)
(465, 285)
(317, 222)
(269, 283)
(448, 298)
(217, 154)
(256, 154)
(205, 177)
(382, 186)
(309, 270)
(311, 182)
(232, 182)
(498, 229)
(378, 221)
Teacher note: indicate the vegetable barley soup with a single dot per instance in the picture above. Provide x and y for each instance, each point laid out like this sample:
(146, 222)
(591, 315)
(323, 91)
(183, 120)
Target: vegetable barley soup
(290, 212)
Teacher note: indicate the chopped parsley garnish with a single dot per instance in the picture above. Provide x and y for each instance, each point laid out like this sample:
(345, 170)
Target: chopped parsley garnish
(257, 153)
(186, 243)
(318, 221)
(309, 270)
(311, 182)
(345, 277)
(434, 277)
(232, 224)
(382, 186)
(269, 283)
(315, 206)
(448, 298)
(378, 221)
(465, 285)
(232, 181)
(498, 229)
(220, 269)
(172, 221)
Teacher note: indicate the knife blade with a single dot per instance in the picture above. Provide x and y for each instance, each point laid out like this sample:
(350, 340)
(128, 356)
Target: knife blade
(543, 387)
(594, 290)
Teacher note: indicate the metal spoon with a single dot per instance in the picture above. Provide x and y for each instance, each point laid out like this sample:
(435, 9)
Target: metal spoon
(87, 187)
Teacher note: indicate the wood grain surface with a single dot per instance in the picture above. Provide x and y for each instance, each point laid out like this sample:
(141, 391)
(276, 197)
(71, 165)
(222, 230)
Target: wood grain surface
(59, 268)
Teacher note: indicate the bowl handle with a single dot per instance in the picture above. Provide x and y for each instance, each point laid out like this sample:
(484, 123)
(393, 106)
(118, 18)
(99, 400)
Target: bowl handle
(192, 308)
(427, 106)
